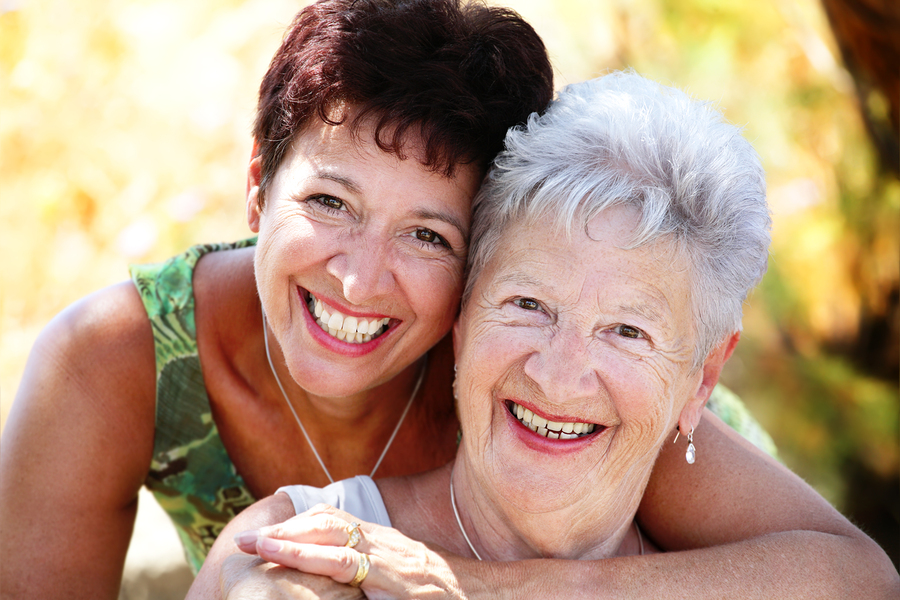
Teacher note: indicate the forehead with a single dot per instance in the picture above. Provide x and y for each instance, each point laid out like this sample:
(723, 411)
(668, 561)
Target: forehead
(351, 156)
(593, 263)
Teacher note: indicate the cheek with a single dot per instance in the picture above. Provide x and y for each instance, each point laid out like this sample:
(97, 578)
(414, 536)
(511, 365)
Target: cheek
(485, 350)
(649, 399)
(286, 247)
(435, 290)
(284, 236)
(489, 354)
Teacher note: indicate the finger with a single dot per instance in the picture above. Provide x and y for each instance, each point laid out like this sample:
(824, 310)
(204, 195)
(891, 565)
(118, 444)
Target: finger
(327, 509)
(246, 541)
(336, 562)
(322, 529)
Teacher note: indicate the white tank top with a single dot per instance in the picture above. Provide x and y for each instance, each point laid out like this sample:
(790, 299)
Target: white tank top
(358, 496)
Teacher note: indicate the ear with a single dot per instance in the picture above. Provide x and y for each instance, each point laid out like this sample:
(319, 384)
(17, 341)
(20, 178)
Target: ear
(254, 175)
(710, 371)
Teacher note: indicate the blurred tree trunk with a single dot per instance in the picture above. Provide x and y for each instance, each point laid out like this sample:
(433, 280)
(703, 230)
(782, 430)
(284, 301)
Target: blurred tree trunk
(868, 35)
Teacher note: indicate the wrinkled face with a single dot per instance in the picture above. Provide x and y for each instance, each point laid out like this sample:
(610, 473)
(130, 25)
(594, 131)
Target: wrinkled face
(360, 258)
(574, 360)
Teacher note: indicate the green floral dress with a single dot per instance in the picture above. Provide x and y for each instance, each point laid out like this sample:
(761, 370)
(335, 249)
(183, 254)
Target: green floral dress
(191, 474)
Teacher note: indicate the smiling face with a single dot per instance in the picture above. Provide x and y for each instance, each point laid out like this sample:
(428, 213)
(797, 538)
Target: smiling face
(578, 336)
(360, 257)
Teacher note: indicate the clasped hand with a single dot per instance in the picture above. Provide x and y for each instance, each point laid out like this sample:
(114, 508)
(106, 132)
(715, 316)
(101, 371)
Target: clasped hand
(315, 542)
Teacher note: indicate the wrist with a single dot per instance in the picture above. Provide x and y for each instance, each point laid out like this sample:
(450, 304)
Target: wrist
(476, 580)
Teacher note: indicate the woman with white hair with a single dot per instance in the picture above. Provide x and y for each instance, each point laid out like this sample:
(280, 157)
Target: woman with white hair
(614, 244)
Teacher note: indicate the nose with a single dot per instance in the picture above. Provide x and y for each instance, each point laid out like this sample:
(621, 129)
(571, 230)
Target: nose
(563, 367)
(364, 268)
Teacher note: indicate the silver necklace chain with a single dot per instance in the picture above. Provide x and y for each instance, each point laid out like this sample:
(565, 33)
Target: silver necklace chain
(458, 520)
(303, 429)
(469, 542)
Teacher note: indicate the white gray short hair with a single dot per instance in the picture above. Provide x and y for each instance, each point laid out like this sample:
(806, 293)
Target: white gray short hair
(622, 139)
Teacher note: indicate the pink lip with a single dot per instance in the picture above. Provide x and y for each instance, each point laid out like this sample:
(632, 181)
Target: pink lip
(544, 445)
(335, 345)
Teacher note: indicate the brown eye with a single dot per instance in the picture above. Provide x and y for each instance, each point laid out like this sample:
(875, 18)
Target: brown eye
(430, 237)
(527, 303)
(629, 331)
(329, 202)
(426, 235)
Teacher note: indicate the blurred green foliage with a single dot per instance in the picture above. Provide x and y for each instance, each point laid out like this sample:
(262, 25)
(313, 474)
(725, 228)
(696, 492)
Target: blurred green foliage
(124, 135)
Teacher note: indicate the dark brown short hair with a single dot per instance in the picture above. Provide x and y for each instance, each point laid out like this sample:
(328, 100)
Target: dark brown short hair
(455, 73)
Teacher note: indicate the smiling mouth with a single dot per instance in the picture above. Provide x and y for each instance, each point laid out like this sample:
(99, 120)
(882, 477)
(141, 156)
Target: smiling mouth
(353, 330)
(555, 430)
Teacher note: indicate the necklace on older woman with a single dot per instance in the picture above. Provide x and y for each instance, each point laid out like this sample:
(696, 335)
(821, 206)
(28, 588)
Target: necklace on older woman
(303, 429)
(469, 542)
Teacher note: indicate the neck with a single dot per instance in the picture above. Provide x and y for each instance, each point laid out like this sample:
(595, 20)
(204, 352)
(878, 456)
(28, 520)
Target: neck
(366, 415)
(501, 531)
(330, 412)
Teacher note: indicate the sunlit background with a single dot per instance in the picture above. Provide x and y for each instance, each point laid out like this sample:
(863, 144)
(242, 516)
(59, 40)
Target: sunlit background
(124, 135)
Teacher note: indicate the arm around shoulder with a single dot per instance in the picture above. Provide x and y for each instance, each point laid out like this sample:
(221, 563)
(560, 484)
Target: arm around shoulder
(76, 448)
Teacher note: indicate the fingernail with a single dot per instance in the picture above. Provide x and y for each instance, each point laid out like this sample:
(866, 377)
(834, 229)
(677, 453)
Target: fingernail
(246, 538)
(270, 545)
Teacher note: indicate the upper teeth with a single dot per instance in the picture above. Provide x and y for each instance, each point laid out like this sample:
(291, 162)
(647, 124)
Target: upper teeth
(551, 429)
(355, 330)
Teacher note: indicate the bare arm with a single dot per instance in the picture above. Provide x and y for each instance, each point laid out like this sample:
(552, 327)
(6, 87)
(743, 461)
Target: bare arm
(733, 492)
(76, 449)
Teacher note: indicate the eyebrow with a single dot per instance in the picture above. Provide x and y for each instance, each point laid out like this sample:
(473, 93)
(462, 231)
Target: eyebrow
(445, 217)
(342, 181)
(643, 309)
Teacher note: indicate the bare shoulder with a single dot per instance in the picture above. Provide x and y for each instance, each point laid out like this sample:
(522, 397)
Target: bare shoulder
(100, 351)
(102, 346)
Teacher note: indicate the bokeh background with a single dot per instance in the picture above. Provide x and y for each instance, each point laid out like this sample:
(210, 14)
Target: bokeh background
(124, 136)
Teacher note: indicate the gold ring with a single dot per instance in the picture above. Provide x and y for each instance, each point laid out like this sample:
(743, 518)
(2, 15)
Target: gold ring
(361, 571)
(353, 534)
